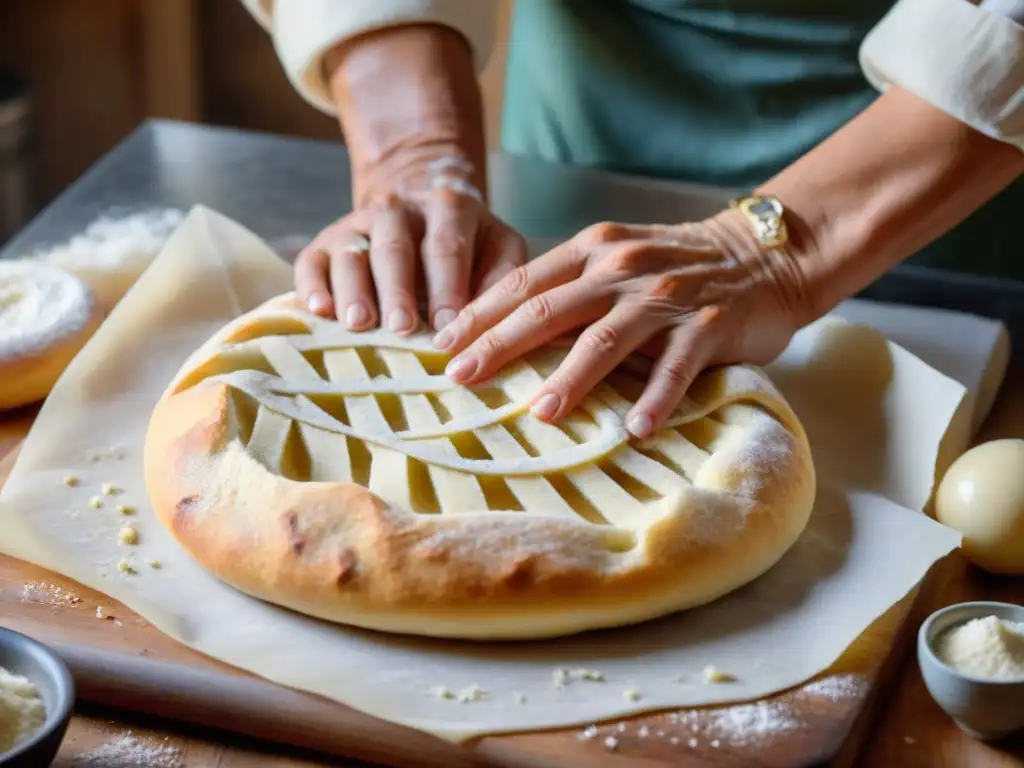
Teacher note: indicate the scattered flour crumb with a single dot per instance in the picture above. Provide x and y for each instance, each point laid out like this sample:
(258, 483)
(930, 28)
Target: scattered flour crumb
(674, 740)
(631, 695)
(109, 489)
(643, 732)
(692, 743)
(716, 743)
(49, 593)
(130, 752)
(714, 675)
(611, 743)
(588, 733)
(472, 693)
(559, 678)
(589, 674)
(444, 692)
(96, 502)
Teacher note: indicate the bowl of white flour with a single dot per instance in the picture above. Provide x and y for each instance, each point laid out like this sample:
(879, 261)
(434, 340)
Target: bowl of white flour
(972, 660)
(37, 695)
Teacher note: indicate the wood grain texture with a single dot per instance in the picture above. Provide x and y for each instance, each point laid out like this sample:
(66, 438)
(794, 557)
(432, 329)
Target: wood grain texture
(913, 731)
(125, 662)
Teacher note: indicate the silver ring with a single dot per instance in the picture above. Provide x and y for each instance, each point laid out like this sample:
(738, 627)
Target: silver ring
(360, 245)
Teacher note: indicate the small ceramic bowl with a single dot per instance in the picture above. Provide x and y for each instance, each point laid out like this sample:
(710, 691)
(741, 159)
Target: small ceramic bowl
(985, 709)
(21, 655)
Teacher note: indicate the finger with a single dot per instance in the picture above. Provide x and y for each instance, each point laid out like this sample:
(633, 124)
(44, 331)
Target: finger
(352, 284)
(452, 221)
(599, 349)
(554, 268)
(312, 280)
(501, 251)
(687, 352)
(393, 264)
(539, 319)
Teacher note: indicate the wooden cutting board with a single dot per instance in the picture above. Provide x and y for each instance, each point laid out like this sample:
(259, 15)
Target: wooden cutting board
(122, 661)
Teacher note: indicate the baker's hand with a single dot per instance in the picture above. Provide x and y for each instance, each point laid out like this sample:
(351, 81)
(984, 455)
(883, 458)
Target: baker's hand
(429, 233)
(688, 296)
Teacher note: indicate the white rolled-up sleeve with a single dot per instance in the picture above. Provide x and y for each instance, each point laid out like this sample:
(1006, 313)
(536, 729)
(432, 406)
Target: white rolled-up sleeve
(303, 31)
(964, 59)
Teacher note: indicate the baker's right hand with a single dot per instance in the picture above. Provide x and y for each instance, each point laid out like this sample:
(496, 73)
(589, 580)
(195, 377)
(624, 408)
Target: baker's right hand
(429, 238)
(420, 233)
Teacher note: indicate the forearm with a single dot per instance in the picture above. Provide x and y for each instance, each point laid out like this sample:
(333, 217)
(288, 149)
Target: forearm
(406, 96)
(897, 177)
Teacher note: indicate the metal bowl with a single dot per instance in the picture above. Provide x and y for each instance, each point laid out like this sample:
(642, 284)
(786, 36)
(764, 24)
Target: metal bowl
(21, 655)
(984, 708)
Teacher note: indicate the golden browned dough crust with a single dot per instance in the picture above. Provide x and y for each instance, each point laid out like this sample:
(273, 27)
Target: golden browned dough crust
(734, 476)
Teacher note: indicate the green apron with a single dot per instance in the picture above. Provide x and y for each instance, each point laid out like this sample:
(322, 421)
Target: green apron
(722, 92)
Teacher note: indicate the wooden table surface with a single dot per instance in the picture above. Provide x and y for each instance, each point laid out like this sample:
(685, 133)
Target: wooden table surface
(910, 729)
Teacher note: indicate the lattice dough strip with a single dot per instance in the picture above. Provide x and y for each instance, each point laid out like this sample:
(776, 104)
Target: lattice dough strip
(455, 491)
(649, 472)
(389, 469)
(607, 496)
(329, 458)
(535, 494)
(687, 456)
(268, 439)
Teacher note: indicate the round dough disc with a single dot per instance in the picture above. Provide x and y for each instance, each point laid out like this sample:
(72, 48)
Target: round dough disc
(46, 316)
(982, 497)
(342, 475)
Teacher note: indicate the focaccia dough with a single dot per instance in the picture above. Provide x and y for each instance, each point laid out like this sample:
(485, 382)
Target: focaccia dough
(46, 316)
(344, 476)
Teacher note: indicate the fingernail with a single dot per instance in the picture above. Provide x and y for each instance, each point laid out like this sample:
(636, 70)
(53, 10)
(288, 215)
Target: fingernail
(460, 368)
(442, 317)
(356, 316)
(639, 424)
(443, 340)
(399, 320)
(546, 407)
(318, 303)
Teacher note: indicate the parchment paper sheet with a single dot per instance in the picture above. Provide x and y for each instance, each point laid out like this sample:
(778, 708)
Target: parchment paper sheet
(874, 412)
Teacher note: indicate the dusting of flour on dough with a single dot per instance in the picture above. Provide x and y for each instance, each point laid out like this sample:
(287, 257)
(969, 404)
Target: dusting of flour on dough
(39, 305)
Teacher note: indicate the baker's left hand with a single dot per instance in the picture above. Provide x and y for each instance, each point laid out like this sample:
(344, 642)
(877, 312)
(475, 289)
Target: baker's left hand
(689, 296)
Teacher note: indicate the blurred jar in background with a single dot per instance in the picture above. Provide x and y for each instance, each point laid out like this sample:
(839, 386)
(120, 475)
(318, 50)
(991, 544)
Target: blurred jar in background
(16, 203)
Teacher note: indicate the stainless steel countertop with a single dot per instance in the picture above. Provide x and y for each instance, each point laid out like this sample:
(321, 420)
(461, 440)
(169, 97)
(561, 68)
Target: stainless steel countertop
(283, 187)
(280, 187)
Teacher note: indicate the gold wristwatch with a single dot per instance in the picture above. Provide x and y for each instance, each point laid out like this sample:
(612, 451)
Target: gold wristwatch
(767, 216)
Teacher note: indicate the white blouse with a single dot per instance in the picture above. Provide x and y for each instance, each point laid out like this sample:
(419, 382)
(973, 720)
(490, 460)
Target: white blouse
(965, 59)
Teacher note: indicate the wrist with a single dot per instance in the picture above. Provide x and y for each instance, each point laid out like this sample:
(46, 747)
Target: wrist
(785, 271)
(407, 97)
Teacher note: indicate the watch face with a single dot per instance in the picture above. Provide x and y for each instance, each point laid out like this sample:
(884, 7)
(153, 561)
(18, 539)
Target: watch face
(762, 208)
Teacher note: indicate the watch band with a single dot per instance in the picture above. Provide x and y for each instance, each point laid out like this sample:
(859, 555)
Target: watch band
(767, 216)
